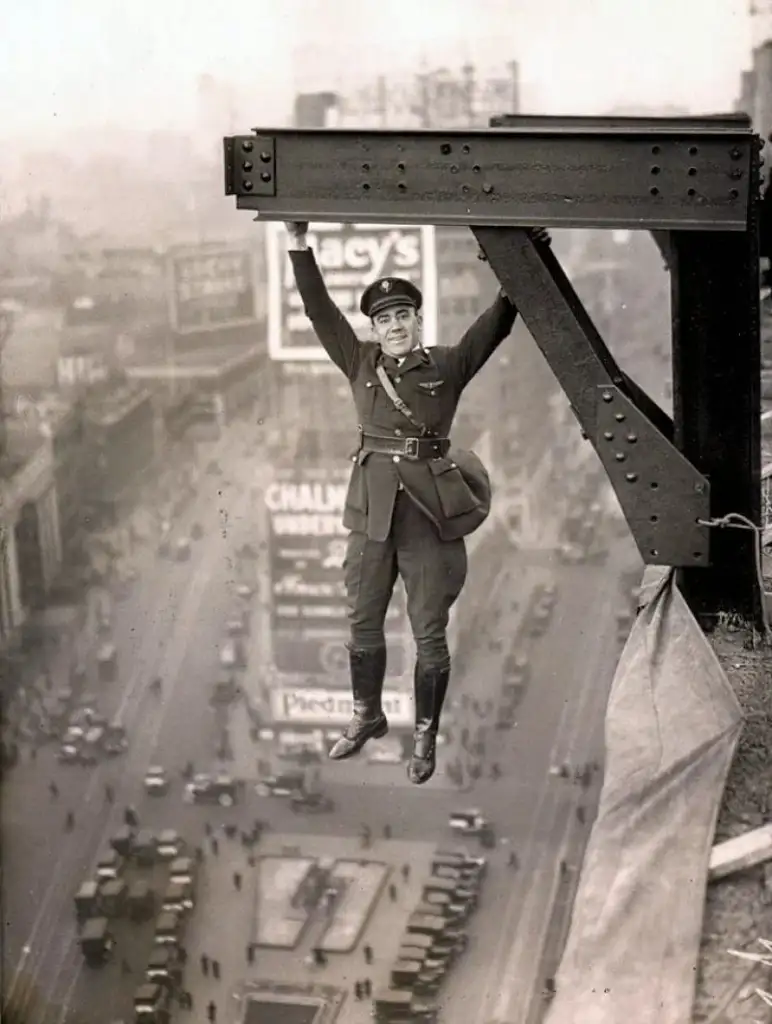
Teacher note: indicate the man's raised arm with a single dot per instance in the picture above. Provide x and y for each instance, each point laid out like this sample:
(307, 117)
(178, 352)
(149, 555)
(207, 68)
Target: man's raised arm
(332, 328)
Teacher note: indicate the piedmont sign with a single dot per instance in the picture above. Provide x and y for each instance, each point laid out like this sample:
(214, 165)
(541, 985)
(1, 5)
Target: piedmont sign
(321, 706)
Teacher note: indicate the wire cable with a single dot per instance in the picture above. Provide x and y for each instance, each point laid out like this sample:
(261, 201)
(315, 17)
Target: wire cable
(736, 521)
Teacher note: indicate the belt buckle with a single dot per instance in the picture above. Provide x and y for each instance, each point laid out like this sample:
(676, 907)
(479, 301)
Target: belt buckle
(411, 447)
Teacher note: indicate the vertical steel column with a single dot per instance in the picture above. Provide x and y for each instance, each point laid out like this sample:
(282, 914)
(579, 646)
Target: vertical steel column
(716, 403)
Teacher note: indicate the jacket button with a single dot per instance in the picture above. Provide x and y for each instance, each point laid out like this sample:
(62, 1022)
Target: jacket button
(368, 384)
(397, 380)
(395, 458)
(397, 432)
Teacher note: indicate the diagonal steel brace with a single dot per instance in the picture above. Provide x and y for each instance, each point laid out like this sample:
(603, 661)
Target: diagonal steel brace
(662, 495)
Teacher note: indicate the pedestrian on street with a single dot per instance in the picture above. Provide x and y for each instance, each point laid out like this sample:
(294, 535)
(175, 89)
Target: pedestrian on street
(211, 1011)
(214, 845)
(252, 860)
(359, 992)
(513, 861)
(367, 949)
(250, 952)
(109, 794)
(367, 987)
(387, 831)
(53, 789)
(580, 815)
(205, 965)
(405, 872)
(398, 500)
(216, 970)
(237, 881)
(495, 770)
(69, 822)
(393, 892)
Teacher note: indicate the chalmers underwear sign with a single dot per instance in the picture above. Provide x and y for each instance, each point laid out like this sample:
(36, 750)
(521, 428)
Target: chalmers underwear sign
(319, 706)
(350, 256)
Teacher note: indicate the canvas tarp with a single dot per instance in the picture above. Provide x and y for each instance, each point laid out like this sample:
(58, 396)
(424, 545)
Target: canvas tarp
(672, 725)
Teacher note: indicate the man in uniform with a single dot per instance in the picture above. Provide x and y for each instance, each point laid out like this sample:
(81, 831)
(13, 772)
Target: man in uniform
(403, 519)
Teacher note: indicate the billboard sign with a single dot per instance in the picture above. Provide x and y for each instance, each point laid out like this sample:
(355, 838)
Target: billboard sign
(307, 544)
(211, 288)
(323, 706)
(351, 257)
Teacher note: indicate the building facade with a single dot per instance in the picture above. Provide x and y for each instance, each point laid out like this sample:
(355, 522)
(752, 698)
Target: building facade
(30, 543)
(121, 434)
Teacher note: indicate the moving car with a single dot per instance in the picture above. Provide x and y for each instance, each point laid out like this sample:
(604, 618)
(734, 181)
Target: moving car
(284, 785)
(96, 941)
(115, 740)
(169, 926)
(151, 1004)
(212, 789)
(109, 866)
(470, 822)
(178, 897)
(233, 654)
(74, 750)
(156, 781)
(169, 844)
(164, 967)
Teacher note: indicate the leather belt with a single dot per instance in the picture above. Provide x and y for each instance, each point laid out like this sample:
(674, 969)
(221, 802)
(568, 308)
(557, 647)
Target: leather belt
(415, 448)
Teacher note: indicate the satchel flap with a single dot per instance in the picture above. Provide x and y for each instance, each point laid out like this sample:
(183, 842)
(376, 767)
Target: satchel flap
(441, 465)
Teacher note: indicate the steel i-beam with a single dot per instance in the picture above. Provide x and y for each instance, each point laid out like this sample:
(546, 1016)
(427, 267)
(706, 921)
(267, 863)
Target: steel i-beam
(556, 172)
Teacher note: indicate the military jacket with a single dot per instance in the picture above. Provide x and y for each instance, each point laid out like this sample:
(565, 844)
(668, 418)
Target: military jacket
(429, 381)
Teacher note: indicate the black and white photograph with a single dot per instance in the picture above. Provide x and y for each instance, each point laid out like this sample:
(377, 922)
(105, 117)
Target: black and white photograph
(386, 512)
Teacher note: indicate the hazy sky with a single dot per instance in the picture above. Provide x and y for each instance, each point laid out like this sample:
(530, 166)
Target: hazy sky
(78, 63)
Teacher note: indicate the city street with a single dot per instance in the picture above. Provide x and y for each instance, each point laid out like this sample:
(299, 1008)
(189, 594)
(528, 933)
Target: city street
(152, 632)
(170, 626)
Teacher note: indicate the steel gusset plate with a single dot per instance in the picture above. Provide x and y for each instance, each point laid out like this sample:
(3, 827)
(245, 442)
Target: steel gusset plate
(250, 165)
(549, 173)
(661, 494)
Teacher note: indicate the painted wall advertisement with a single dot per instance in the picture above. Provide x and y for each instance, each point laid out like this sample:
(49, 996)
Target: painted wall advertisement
(211, 288)
(350, 256)
(307, 545)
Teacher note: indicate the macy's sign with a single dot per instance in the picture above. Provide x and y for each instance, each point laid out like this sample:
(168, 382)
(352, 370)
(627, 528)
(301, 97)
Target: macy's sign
(318, 706)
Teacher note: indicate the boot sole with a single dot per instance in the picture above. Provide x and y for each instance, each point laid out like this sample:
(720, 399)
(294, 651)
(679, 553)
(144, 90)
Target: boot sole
(376, 734)
(424, 778)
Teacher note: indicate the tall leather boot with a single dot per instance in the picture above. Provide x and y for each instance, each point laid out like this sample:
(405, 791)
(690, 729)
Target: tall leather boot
(368, 669)
(430, 689)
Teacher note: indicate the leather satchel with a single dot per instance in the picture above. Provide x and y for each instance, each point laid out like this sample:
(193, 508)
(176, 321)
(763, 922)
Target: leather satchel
(462, 481)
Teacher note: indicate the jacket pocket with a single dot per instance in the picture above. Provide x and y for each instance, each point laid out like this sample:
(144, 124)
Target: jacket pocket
(455, 495)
